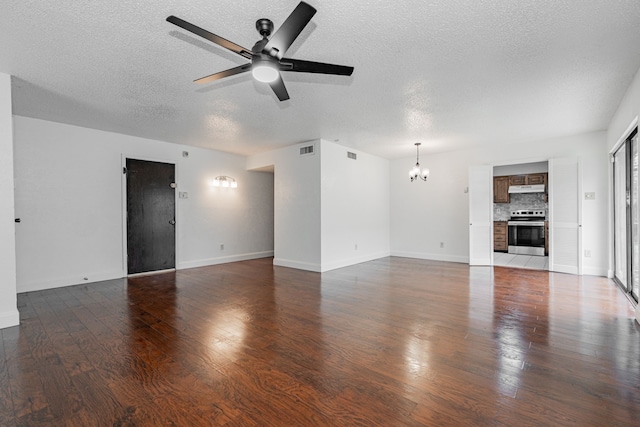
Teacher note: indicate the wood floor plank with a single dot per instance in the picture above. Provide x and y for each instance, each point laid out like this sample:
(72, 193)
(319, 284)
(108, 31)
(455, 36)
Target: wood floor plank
(27, 391)
(7, 417)
(395, 341)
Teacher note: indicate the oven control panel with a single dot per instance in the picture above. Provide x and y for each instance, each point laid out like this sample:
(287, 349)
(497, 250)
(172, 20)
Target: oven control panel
(525, 213)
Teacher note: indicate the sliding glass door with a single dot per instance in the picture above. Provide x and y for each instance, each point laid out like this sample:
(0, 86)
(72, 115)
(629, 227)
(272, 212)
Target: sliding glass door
(635, 232)
(626, 216)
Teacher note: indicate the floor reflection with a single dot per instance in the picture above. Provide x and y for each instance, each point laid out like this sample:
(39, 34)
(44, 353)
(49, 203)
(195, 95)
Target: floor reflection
(399, 331)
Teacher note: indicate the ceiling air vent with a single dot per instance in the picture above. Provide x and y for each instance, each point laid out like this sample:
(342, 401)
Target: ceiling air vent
(351, 155)
(305, 151)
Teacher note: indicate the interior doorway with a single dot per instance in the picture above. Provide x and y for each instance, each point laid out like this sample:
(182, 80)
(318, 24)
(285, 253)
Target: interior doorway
(150, 216)
(521, 215)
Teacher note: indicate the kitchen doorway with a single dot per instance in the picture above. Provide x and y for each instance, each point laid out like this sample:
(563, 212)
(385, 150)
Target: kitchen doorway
(521, 215)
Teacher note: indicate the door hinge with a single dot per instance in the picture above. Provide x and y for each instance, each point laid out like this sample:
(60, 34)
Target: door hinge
(124, 170)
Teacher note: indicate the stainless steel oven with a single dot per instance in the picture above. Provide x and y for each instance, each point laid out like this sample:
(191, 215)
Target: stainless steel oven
(526, 232)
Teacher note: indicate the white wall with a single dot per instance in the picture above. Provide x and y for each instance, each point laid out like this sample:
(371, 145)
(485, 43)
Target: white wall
(423, 214)
(355, 207)
(627, 112)
(69, 194)
(8, 310)
(326, 204)
(521, 169)
(297, 204)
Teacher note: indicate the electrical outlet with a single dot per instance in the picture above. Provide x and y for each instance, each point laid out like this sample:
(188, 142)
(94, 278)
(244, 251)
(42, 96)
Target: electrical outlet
(222, 246)
(183, 195)
(587, 253)
(590, 196)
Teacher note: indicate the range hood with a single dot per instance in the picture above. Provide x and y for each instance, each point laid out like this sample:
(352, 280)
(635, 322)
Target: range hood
(537, 188)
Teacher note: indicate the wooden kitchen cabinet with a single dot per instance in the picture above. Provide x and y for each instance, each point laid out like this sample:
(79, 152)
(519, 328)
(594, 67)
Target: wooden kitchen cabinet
(500, 243)
(517, 180)
(530, 179)
(536, 179)
(501, 189)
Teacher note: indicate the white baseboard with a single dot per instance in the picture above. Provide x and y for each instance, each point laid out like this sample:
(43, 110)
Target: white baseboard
(353, 261)
(68, 281)
(568, 269)
(98, 277)
(223, 260)
(9, 319)
(595, 271)
(297, 264)
(432, 257)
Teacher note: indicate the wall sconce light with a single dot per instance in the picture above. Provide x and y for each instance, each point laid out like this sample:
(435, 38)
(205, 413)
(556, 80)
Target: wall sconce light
(224, 181)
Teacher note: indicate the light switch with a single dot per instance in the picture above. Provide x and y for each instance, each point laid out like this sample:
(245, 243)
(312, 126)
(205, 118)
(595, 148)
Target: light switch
(183, 195)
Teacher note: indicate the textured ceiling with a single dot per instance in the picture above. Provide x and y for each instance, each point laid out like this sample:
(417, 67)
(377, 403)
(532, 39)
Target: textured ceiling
(451, 74)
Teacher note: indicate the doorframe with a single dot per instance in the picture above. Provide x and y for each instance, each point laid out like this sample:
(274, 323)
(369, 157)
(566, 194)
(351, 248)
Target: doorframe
(123, 164)
(477, 228)
(623, 137)
(611, 273)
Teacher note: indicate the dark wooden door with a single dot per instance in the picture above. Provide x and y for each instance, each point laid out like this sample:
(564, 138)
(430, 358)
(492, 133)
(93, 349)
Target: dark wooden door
(151, 236)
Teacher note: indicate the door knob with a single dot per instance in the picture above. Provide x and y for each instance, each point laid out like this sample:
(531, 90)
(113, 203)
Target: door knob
(172, 222)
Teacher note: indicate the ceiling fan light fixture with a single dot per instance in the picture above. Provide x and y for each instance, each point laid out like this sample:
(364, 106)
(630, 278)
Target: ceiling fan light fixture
(264, 71)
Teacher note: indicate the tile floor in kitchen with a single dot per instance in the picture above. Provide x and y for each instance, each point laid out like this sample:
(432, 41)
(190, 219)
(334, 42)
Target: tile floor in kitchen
(520, 261)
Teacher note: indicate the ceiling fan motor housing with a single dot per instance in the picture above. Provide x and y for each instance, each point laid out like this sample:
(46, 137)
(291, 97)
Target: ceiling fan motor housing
(264, 27)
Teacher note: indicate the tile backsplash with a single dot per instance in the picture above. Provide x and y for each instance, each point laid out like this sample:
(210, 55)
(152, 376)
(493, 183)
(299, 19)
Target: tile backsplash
(502, 211)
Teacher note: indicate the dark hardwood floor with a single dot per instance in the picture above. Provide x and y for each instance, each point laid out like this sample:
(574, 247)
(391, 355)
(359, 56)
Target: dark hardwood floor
(392, 342)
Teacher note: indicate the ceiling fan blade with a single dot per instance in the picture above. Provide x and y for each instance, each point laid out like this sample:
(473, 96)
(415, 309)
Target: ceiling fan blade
(279, 89)
(297, 65)
(242, 51)
(289, 30)
(222, 74)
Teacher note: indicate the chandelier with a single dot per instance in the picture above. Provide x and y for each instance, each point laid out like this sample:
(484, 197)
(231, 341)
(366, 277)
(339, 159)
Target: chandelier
(416, 172)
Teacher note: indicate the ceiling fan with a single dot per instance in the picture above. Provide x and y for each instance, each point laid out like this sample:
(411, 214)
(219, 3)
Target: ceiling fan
(267, 55)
